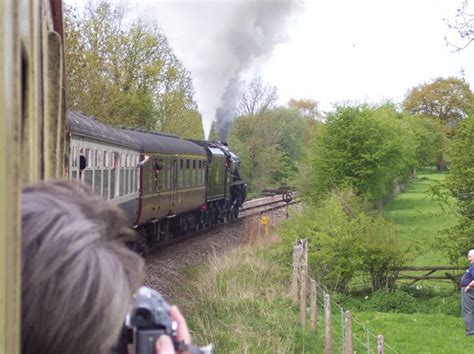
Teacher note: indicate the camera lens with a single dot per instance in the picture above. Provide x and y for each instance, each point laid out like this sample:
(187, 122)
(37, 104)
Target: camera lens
(142, 318)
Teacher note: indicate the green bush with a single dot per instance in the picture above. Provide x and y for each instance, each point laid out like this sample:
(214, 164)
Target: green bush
(346, 238)
(366, 148)
(406, 299)
(396, 301)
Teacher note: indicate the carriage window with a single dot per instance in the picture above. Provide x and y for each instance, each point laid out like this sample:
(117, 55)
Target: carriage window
(88, 157)
(105, 184)
(106, 159)
(97, 159)
(121, 182)
(122, 161)
(194, 163)
(200, 164)
(187, 164)
(127, 174)
(74, 156)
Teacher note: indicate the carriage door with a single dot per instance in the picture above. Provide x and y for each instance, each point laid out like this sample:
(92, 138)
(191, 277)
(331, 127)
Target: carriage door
(174, 181)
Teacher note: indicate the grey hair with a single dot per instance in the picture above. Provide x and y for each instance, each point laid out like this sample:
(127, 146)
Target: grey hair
(470, 253)
(78, 277)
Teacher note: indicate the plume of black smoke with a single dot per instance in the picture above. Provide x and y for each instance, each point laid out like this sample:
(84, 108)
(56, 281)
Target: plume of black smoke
(226, 111)
(257, 28)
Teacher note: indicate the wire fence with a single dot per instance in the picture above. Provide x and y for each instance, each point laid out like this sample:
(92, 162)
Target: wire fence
(342, 332)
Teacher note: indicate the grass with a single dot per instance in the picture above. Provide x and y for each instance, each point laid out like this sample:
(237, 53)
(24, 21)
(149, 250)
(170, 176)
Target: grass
(420, 333)
(239, 301)
(419, 219)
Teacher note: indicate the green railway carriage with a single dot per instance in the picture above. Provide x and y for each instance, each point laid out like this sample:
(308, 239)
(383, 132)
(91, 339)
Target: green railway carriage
(166, 185)
(219, 178)
(226, 191)
(164, 194)
(172, 180)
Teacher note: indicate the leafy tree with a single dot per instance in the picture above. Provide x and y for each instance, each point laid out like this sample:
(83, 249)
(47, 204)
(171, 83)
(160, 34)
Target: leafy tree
(213, 136)
(346, 239)
(362, 147)
(449, 100)
(257, 98)
(269, 145)
(460, 183)
(188, 126)
(257, 147)
(430, 139)
(308, 108)
(123, 72)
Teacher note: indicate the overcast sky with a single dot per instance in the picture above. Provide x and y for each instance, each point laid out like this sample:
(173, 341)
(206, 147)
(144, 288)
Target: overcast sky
(326, 50)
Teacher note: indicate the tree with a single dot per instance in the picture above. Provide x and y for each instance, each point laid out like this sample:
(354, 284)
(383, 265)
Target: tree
(449, 100)
(123, 73)
(270, 145)
(430, 139)
(310, 112)
(257, 98)
(188, 126)
(366, 148)
(213, 136)
(257, 147)
(346, 239)
(464, 25)
(308, 108)
(460, 184)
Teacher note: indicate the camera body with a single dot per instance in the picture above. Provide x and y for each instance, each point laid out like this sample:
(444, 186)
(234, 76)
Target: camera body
(147, 319)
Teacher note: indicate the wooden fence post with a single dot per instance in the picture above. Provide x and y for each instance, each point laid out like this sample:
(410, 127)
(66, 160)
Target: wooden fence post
(296, 270)
(380, 345)
(347, 332)
(328, 323)
(303, 298)
(305, 255)
(314, 305)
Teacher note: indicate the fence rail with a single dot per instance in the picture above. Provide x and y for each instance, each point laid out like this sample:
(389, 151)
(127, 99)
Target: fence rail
(342, 332)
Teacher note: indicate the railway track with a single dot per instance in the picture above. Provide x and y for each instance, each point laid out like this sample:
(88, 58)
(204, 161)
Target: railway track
(262, 205)
(252, 208)
(166, 263)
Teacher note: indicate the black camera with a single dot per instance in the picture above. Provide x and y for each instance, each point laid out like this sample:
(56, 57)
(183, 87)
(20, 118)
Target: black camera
(149, 318)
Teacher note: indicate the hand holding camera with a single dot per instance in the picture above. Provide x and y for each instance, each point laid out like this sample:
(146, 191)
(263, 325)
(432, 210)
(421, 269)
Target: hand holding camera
(153, 326)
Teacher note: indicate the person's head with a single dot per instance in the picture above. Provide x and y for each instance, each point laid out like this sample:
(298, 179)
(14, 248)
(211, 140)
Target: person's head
(470, 256)
(77, 275)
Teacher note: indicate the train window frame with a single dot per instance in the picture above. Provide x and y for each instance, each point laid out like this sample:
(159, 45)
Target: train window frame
(194, 164)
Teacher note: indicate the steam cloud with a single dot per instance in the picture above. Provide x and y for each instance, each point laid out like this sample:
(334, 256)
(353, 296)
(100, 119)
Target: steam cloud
(218, 41)
(258, 27)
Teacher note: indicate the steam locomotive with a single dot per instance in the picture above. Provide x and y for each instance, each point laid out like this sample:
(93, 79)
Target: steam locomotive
(166, 185)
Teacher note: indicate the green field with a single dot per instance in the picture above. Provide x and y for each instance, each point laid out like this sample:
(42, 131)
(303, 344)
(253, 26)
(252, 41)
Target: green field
(420, 333)
(239, 301)
(419, 219)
